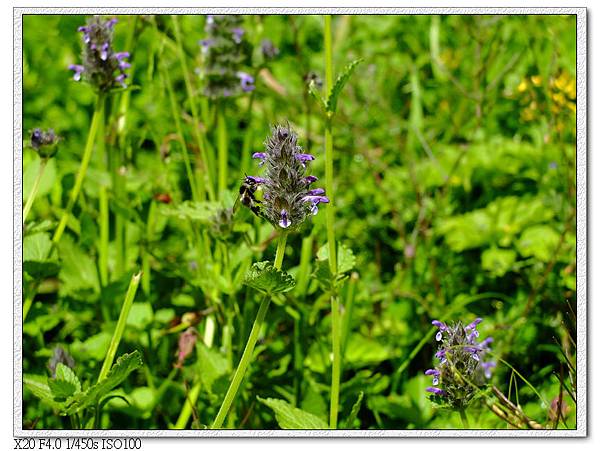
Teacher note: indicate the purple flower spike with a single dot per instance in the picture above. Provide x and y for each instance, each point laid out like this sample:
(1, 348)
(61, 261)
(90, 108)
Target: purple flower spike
(435, 391)
(238, 34)
(78, 71)
(284, 222)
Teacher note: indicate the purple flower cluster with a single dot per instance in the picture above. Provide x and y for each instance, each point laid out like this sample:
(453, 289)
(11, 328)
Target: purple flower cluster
(461, 369)
(288, 198)
(101, 65)
(224, 51)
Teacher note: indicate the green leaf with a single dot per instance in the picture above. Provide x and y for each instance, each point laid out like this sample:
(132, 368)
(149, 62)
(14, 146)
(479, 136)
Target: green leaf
(117, 374)
(354, 411)
(345, 257)
(78, 273)
(140, 315)
(65, 383)
(290, 417)
(211, 365)
(37, 259)
(314, 91)
(339, 85)
(498, 261)
(264, 277)
(38, 386)
(538, 241)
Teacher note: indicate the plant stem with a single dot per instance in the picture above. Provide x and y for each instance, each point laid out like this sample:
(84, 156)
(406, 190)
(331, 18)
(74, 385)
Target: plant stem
(118, 333)
(188, 406)
(336, 364)
(222, 149)
(184, 150)
(249, 349)
(87, 155)
(104, 235)
(330, 214)
(192, 101)
(464, 419)
(35, 188)
(330, 217)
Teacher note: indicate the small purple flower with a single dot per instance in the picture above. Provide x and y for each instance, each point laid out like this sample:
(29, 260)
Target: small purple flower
(246, 81)
(104, 51)
(284, 222)
(435, 391)
(309, 179)
(435, 374)
(474, 324)
(304, 157)
(121, 79)
(111, 23)
(487, 368)
(316, 192)
(237, 34)
(315, 201)
(205, 44)
(78, 69)
(257, 180)
(268, 49)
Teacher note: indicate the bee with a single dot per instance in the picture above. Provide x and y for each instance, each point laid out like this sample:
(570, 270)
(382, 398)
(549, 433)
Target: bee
(247, 195)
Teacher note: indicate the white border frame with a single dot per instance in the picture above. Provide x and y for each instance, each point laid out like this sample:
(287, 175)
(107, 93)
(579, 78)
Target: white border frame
(581, 161)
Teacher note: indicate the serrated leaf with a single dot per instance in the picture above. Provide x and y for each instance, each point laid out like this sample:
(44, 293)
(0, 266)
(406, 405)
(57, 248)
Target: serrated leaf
(312, 89)
(339, 85)
(290, 417)
(117, 374)
(264, 277)
(65, 383)
(38, 386)
(354, 411)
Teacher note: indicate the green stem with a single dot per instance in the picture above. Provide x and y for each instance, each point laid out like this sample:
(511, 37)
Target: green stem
(118, 333)
(249, 349)
(191, 98)
(222, 150)
(104, 235)
(464, 419)
(184, 150)
(336, 365)
(35, 188)
(186, 412)
(87, 155)
(330, 218)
